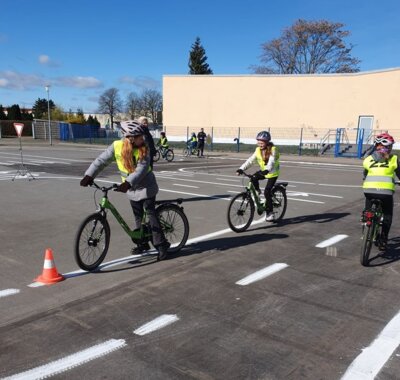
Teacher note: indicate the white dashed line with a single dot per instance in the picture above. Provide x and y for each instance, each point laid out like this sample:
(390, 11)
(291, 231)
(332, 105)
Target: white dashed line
(156, 324)
(333, 240)
(8, 292)
(367, 365)
(71, 361)
(259, 275)
(179, 184)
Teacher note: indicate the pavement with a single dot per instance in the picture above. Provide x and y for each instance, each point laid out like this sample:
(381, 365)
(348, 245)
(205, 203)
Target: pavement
(279, 301)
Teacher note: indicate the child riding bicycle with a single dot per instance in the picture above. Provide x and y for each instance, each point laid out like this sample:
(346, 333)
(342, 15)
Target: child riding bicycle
(192, 143)
(163, 143)
(138, 181)
(266, 156)
(379, 170)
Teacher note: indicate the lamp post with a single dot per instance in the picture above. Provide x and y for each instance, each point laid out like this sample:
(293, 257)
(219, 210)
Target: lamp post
(48, 112)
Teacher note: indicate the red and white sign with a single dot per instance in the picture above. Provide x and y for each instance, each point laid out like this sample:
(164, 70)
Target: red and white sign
(18, 128)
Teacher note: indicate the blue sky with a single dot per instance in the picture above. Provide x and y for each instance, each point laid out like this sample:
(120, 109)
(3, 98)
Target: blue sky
(81, 48)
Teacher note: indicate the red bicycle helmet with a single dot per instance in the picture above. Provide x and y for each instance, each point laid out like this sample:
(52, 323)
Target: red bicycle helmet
(385, 139)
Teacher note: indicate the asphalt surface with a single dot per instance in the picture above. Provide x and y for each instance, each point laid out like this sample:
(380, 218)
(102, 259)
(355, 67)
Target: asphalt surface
(309, 320)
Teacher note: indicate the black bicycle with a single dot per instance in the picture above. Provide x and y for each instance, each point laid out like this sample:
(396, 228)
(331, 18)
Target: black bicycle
(372, 221)
(166, 153)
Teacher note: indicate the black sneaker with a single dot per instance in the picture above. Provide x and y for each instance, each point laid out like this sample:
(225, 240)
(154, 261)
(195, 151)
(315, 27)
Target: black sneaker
(140, 248)
(163, 251)
(382, 243)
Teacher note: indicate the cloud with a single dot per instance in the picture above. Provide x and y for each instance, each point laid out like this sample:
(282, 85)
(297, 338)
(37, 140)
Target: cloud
(46, 61)
(142, 82)
(17, 81)
(78, 82)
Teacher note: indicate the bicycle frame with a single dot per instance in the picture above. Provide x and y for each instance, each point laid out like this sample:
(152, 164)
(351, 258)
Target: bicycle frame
(137, 234)
(256, 198)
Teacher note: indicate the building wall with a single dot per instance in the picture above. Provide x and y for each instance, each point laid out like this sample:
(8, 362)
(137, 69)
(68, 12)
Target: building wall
(282, 102)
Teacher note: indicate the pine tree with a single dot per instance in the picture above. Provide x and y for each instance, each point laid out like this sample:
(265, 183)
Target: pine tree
(3, 115)
(197, 59)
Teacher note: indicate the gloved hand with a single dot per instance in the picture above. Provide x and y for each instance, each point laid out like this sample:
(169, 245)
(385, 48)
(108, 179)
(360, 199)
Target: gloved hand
(124, 187)
(259, 175)
(239, 172)
(87, 180)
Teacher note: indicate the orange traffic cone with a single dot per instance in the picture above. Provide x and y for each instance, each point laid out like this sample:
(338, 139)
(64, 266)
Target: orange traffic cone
(50, 274)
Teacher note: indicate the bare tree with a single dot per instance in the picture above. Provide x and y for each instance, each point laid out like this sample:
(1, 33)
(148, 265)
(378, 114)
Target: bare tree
(134, 105)
(110, 103)
(152, 103)
(308, 47)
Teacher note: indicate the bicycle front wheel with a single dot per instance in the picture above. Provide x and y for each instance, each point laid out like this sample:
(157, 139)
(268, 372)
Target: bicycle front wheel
(279, 203)
(240, 212)
(185, 152)
(367, 240)
(174, 224)
(92, 241)
(169, 156)
(156, 156)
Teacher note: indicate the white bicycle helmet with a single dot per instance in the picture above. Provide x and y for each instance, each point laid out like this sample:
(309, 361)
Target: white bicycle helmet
(131, 128)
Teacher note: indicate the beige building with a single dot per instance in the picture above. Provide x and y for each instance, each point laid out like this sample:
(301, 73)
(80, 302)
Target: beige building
(287, 104)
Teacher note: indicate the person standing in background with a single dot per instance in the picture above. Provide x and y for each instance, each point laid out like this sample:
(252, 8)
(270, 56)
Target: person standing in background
(201, 138)
(144, 122)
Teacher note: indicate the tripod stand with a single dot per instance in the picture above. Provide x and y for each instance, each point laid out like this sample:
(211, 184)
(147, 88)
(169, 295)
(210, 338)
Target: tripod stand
(23, 171)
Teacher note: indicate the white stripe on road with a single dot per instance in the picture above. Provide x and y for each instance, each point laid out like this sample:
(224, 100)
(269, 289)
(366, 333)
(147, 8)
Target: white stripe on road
(179, 184)
(259, 275)
(333, 240)
(233, 192)
(70, 361)
(334, 185)
(8, 292)
(156, 324)
(305, 200)
(226, 179)
(367, 365)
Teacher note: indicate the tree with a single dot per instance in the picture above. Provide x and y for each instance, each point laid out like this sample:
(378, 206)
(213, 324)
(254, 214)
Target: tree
(152, 103)
(14, 112)
(92, 121)
(197, 59)
(78, 118)
(40, 108)
(308, 47)
(110, 103)
(3, 115)
(134, 105)
(25, 115)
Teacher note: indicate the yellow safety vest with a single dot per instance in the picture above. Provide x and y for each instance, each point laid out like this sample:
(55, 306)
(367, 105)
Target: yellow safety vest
(275, 170)
(118, 158)
(380, 177)
(164, 142)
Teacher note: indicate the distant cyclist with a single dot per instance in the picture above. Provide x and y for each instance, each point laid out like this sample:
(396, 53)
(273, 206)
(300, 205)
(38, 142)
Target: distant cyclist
(192, 143)
(266, 156)
(138, 181)
(163, 143)
(379, 176)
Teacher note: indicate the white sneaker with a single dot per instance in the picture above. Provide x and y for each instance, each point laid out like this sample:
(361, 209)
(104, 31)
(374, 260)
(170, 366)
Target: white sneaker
(269, 217)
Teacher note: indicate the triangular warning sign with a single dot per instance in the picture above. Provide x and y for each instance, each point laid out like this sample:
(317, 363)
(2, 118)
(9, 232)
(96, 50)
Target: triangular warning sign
(18, 128)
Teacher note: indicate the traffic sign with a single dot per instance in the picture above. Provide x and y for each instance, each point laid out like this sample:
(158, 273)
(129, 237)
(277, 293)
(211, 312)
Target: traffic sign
(18, 128)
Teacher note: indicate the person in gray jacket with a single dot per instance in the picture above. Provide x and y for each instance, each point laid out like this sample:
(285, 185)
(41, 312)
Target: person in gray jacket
(132, 156)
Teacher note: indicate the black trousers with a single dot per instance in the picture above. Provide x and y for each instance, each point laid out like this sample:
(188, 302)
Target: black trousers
(201, 148)
(267, 192)
(387, 208)
(150, 205)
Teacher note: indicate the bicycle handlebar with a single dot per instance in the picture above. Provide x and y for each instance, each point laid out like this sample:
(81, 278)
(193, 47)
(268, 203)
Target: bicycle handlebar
(104, 189)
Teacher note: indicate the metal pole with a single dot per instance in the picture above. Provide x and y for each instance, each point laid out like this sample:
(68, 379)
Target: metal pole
(301, 141)
(212, 139)
(48, 111)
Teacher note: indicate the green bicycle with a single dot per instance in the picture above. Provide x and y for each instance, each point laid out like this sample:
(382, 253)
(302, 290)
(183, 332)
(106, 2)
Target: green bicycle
(93, 235)
(241, 209)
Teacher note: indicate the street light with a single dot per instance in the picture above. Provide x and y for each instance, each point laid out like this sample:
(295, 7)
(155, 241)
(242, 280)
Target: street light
(48, 111)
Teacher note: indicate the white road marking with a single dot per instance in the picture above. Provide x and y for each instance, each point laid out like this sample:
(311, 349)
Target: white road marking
(226, 179)
(43, 157)
(233, 192)
(226, 198)
(367, 365)
(305, 200)
(262, 273)
(317, 194)
(8, 292)
(70, 361)
(179, 184)
(331, 241)
(156, 324)
(334, 185)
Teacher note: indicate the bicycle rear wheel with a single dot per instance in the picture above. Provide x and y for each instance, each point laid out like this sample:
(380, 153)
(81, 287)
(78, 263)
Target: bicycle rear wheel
(169, 156)
(174, 224)
(92, 241)
(367, 240)
(156, 156)
(279, 202)
(240, 212)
